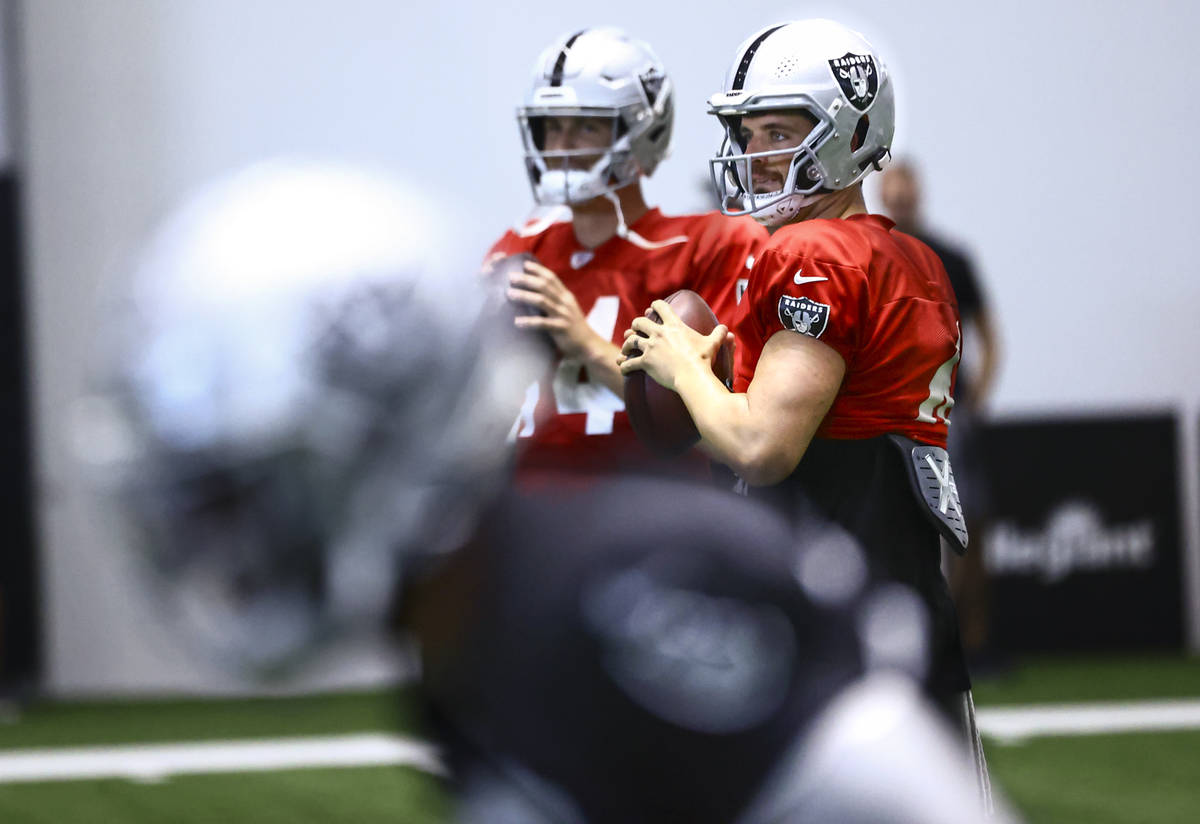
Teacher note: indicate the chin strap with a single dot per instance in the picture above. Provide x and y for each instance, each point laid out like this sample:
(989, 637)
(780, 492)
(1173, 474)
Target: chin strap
(779, 211)
(625, 233)
(537, 225)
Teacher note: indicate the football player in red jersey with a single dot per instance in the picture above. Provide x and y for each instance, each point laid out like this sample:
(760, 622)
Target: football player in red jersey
(598, 118)
(848, 338)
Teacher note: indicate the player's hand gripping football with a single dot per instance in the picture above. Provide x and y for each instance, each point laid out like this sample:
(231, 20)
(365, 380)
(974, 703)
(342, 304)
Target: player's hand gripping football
(562, 318)
(665, 350)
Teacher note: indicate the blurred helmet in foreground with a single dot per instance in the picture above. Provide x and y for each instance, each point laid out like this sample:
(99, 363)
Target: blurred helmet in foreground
(295, 402)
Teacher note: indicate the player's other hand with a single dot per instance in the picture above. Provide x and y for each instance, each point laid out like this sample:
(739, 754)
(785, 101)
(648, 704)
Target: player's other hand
(664, 350)
(562, 318)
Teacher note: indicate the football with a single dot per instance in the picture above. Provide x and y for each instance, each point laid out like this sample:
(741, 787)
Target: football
(496, 273)
(658, 416)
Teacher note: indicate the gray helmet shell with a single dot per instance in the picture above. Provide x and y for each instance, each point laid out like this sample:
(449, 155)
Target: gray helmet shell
(295, 404)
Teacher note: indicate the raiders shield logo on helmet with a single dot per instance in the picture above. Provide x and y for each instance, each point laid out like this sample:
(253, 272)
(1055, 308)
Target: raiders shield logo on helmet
(858, 75)
(803, 315)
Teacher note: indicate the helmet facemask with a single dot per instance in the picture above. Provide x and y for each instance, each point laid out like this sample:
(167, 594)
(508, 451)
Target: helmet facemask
(732, 171)
(566, 176)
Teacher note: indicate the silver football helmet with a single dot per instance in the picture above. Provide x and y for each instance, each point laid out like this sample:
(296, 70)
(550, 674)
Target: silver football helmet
(831, 73)
(601, 73)
(295, 402)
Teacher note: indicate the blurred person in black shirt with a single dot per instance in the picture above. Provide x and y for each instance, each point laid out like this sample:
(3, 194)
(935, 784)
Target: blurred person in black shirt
(901, 194)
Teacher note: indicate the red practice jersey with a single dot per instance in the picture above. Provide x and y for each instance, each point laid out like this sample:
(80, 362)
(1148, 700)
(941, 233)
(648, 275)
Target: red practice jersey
(569, 422)
(882, 300)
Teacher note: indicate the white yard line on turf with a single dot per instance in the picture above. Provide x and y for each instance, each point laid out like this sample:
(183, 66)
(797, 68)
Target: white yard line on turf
(154, 762)
(141, 762)
(1012, 724)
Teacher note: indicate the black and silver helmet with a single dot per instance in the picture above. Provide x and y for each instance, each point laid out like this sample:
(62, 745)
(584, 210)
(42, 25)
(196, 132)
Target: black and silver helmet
(296, 401)
(602, 73)
(825, 70)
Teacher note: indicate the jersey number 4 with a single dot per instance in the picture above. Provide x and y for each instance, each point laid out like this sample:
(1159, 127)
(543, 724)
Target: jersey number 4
(573, 396)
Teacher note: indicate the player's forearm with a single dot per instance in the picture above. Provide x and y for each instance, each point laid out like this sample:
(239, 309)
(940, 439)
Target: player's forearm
(730, 430)
(988, 357)
(601, 362)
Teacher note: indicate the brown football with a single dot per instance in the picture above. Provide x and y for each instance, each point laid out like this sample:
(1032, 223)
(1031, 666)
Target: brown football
(658, 416)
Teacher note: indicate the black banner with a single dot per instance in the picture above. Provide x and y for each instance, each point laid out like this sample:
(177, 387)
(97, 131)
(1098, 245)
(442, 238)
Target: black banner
(1083, 547)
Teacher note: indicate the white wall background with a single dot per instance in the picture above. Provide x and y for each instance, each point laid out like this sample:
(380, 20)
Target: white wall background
(1056, 138)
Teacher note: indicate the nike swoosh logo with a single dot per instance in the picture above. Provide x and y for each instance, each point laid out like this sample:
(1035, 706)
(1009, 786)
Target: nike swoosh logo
(802, 279)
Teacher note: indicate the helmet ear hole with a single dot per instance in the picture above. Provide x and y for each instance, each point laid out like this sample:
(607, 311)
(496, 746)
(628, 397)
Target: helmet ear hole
(860, 133)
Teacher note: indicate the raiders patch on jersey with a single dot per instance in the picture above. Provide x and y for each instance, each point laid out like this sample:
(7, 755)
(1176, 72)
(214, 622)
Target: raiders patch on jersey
(858, 75)
(803, 315)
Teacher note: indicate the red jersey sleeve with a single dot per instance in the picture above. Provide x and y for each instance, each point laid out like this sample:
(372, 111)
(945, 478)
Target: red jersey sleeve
(798, 286)
(509, 244)
(721, 261)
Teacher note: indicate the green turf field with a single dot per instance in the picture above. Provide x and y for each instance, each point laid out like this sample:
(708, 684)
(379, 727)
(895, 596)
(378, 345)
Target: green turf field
(1141, 778)
(353, 796)
(129, 722)
(1133, 778)
(1048, 680)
